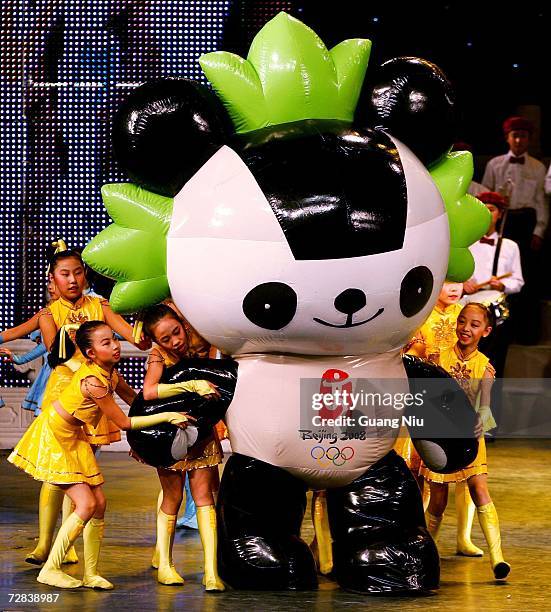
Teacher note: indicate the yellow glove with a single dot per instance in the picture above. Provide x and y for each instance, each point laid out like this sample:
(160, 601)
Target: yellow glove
(488, 421)
(201, 387)
(141, 422)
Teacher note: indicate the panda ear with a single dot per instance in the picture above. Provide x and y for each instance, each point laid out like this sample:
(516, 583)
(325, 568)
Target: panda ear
(413, 100)
(166, 130)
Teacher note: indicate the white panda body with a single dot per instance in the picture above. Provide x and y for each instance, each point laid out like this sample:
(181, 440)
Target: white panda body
(225, 242)
(270, 417)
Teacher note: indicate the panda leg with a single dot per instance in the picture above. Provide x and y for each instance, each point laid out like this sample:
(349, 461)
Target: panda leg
(380, 542)
(260, 512)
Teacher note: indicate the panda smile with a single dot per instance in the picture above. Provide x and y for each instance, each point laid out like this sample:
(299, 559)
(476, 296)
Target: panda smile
(349, 321)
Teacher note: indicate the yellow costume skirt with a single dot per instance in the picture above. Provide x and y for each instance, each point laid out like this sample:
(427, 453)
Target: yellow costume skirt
(205, 454)
(404, 447)
(478, 466)
(105, 431)
(54, 451)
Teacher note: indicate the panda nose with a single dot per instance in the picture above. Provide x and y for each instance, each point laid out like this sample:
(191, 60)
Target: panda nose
(350, 301)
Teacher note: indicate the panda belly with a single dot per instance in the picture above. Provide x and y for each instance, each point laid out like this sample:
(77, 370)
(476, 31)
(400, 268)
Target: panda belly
(270, 417)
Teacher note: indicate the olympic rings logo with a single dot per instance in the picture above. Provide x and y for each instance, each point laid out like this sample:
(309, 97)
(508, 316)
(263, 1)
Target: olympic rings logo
(332, 454)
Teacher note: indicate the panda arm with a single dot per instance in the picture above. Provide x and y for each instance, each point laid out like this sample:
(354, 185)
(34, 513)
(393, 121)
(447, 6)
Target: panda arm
(447, 441)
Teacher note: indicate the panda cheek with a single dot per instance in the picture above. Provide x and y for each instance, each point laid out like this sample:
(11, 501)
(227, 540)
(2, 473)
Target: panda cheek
(270, 305)
(415, 290)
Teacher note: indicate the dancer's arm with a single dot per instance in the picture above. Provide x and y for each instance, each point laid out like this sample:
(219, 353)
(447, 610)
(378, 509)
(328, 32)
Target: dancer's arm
(154, 372)
(35, 353)
(122, 327)
(20, 331)
(417, 346)
(125, 391)
(152, 389)
(94, 389)
(48, 328)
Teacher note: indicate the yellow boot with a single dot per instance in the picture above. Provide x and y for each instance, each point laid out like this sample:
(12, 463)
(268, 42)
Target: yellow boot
(206, 520)
(433, 524)
(465, 510)
(487, 515)
(166, 573)
(67, 509)
(49, 507)
(93, 535)
(155, 558)
(51, 572)
(324, 543)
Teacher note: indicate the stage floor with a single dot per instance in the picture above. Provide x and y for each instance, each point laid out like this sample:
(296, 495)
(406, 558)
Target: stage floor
(520, 479)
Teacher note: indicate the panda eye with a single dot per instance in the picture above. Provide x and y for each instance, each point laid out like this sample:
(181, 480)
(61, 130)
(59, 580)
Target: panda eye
(270, 305)
(415, 290)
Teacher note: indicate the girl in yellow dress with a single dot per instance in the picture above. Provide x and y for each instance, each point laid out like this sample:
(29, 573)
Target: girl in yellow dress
(64, 316)
(162, 324)
(438, 332)
(473, 372)
(435, 335)
(56, 450)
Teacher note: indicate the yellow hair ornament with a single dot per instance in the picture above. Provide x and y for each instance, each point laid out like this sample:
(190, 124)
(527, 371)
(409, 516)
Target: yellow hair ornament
(137, 330)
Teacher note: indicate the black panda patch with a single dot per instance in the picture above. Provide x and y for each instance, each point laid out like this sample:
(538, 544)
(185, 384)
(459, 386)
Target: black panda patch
(270, 305)
(415, 290)
(336, 195)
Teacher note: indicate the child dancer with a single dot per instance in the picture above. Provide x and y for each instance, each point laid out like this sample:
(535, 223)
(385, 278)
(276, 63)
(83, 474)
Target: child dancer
(162, 324)
(64, 316)
(438, 332)
(20, 331)
(472, 371)
(435, 335)
(33, 399)
(197, 347)
(55, 449)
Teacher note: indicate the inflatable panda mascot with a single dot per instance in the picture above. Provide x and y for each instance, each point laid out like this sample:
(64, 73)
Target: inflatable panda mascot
(309, 246)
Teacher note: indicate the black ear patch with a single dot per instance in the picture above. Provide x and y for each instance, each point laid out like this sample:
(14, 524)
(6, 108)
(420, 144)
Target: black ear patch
(415, 102)
(166, 130)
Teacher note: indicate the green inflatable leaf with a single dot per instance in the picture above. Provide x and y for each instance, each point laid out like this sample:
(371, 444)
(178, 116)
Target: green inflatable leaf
(289, 75)
(132, 250)
(468, 217)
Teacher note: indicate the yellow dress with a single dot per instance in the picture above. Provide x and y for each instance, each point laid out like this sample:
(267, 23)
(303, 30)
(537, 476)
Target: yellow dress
(437, 334)
(468, 373)
(204, 454)
(87, 308)
(55, 451)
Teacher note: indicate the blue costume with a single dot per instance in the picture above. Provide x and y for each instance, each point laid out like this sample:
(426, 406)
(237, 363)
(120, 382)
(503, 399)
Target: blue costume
(189, 520)
(33, 399)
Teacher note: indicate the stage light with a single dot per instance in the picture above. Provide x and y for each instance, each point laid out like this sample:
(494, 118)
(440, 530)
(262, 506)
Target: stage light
(56, 120)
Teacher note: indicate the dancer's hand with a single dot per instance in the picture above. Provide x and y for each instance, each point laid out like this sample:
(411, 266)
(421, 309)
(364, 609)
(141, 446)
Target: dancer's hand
(183, 421)
(135, 456)
(215, 393)
(478, 427)
(144, 344)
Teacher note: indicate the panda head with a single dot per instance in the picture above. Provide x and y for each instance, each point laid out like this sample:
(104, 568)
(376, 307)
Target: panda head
(314, 236)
